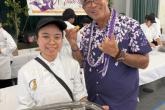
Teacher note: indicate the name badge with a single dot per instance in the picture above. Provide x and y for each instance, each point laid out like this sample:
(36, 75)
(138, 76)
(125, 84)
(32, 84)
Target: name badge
(33, 84)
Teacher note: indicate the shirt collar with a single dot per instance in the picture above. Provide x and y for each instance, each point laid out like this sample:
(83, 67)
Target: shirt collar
(54, 62)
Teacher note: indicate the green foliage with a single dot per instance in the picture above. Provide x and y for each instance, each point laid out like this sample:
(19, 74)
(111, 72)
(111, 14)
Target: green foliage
(14, 15)
(110, 2)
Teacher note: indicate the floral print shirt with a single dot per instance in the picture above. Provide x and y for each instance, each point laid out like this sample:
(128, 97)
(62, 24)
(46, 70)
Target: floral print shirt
(110, 82)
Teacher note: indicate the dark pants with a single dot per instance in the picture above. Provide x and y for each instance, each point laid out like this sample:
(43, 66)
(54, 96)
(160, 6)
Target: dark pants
(14, 81)
(5, 83)
(8, 82)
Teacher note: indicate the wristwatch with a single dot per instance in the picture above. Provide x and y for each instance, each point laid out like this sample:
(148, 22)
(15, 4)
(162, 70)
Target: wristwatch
(120, 57)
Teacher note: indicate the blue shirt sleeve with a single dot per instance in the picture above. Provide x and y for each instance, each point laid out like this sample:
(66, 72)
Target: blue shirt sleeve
(138, 41)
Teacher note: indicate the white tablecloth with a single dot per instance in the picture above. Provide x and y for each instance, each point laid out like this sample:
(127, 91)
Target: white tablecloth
(27, 51)
(5, 68)
(23, 57)
(8, 98)
(155, 69)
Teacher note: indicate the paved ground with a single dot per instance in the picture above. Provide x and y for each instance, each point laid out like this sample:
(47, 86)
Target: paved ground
(155, 100)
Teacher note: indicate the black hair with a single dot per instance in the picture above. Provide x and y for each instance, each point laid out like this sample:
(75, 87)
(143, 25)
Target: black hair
(86, 20)
(150, 18)
(146, 17)
(68, 13)
(152, 14)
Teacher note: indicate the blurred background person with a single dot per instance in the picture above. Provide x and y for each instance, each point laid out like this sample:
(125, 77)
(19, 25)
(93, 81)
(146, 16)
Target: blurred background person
(157, 23)
(150, 31)
(69, 17)
(7, 47)
(85, 21)
(151, 28)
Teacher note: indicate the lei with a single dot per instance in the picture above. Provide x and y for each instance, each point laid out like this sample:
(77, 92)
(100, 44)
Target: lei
(103, 58)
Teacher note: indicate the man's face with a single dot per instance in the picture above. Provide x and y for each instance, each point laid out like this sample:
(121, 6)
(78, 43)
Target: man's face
(96, 9)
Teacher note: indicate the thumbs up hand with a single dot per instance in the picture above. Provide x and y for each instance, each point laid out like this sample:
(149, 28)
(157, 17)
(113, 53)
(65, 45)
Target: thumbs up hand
(109, 46)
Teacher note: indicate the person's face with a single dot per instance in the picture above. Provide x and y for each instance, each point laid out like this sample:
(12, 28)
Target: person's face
(49, 41)
(148, 23)
(71, 20)
(96, 9)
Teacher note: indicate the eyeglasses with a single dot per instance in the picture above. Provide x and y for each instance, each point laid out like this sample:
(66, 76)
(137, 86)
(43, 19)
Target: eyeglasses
(55, 37)
(88, 3)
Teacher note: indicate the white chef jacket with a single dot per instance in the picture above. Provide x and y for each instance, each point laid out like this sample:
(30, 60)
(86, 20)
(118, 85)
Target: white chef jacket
(7, 46)
(66, 48)
(48, 89)
(151, 32)
(158, 26)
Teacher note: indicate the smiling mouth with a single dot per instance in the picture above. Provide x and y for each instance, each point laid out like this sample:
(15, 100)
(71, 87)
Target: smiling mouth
(52, 48)
(93, 11)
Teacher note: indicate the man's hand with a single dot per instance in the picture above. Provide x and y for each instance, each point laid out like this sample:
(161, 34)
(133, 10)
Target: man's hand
(83, 99)
(71, 35)
(109, 46)
(105, 107)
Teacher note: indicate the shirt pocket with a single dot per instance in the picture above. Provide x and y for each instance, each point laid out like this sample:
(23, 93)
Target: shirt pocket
(50, 93)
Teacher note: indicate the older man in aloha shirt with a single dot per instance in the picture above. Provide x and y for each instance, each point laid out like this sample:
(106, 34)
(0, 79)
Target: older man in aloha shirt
(110, 82)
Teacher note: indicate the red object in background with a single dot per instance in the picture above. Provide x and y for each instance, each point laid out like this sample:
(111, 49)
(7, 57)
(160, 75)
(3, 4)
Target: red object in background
(31, 39)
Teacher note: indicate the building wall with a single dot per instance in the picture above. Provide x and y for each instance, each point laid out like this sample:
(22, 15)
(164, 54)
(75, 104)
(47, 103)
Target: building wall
(161, 14)
(125, 6)
(129, 10)
(119, 5)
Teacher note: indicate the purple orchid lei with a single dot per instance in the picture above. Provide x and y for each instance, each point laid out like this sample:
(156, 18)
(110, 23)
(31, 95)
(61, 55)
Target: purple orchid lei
(103, 58)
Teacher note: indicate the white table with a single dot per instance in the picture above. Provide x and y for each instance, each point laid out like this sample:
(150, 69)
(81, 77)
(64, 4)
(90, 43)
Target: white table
(8, 98)
(27, 51)
(23, 57)
(5, 68)
(155, 69)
